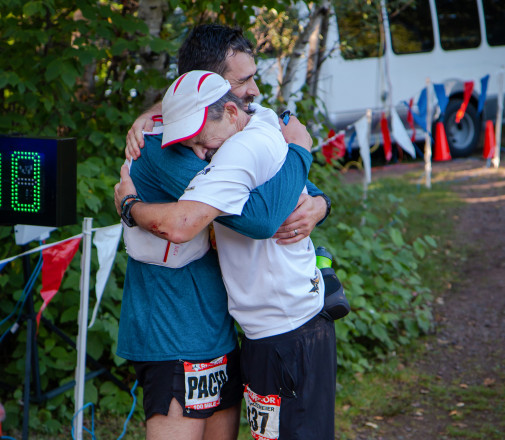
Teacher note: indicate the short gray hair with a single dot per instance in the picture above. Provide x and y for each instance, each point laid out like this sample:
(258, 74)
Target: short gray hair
(216, 110)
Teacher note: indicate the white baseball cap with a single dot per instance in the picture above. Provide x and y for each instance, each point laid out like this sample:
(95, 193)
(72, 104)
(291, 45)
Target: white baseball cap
(185, 105)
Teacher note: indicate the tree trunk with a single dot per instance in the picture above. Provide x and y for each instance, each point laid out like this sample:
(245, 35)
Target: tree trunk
(317, 58)
(286, 88)
(312, 56)
(153, 13)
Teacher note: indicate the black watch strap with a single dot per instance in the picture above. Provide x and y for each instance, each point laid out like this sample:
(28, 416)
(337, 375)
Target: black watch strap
(126, 215)
(328, 208)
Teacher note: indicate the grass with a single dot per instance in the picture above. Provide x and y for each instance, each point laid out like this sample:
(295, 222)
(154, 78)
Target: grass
(365, 401)
(107, 427)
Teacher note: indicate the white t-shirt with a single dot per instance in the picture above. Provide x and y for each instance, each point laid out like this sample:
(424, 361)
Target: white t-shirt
(272, 289)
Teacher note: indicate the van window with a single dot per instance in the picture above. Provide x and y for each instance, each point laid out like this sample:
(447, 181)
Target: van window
(494, 17)
(359, 29)
(410, 26)
(458, 22)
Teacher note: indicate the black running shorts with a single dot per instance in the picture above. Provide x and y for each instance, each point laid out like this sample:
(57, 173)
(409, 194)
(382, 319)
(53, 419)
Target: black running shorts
(290, 383)
(201, 387)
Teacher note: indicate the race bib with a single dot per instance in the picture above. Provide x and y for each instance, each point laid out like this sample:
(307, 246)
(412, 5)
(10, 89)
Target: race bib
(203, 383)
(263, 414)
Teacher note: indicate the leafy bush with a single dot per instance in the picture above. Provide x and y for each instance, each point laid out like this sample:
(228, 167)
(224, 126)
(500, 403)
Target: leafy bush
(378, 268)
(73, 73)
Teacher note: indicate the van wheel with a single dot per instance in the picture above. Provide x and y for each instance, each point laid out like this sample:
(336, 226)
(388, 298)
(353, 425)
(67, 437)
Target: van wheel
(463, 137)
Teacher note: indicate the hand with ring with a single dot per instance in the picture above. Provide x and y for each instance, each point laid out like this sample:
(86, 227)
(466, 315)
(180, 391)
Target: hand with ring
(301, 222)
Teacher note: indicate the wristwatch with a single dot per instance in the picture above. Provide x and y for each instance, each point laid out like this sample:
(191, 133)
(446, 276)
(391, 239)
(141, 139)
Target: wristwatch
(126, 207)
(328, 208)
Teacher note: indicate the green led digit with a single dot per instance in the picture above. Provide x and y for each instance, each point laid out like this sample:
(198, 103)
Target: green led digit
(26, 181)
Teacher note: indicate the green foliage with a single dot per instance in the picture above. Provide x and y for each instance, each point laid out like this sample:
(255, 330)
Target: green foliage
(76, 73)
(379, 268)
(73, 73)
(359, 28)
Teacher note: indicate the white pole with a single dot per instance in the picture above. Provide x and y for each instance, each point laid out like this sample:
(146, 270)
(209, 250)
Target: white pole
(368, 134)
(499, 118)
(427, 137)
(366, 162)
(80, 370)
(387, 52)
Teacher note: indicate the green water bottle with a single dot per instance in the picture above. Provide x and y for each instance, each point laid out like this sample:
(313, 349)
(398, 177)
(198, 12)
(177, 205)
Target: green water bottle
(323, 258)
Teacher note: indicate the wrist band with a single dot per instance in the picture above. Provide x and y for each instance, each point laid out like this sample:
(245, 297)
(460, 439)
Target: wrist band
(328, 208)
(285, 115)
(129, 196)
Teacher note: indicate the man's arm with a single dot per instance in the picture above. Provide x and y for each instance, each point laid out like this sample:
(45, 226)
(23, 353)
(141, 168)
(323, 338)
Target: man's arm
(311, 211)
(176, 222)
(267, 206)
(171, 170)
(276, 199)
(135, 138)
(314, 191)
(271, 203)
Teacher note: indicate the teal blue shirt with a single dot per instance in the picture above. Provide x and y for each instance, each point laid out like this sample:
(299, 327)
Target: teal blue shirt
(170, 314)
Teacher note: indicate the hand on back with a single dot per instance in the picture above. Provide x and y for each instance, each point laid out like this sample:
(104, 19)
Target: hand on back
(296, 133)
(135, 137)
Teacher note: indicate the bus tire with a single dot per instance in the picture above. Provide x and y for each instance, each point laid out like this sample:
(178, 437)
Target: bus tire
(462, 138)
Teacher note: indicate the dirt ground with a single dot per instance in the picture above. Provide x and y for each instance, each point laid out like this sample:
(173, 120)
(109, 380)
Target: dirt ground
(468, 350)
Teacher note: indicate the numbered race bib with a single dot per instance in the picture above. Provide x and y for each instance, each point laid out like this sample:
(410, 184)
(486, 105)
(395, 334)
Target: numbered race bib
(262, 414)
(203, 383)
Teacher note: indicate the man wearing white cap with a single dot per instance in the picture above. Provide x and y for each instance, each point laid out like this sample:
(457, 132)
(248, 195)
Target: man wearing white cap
(275, 292)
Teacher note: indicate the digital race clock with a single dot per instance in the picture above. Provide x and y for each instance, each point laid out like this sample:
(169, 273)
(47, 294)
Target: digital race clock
(38, 180)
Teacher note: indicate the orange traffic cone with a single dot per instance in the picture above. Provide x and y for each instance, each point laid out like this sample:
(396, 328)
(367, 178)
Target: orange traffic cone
(489, 141)
(441, 146)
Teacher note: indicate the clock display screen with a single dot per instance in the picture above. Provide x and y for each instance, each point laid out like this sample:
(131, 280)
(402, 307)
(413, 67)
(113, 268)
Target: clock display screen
(37, 181)
(25, 182)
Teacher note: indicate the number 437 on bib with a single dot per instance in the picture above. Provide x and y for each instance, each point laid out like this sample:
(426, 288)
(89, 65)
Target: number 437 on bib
(263, 414)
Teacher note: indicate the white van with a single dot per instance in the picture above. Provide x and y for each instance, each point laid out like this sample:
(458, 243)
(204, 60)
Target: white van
(447, 41)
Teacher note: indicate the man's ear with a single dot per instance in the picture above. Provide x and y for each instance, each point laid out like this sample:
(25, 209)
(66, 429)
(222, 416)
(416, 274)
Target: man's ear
(231, 111)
